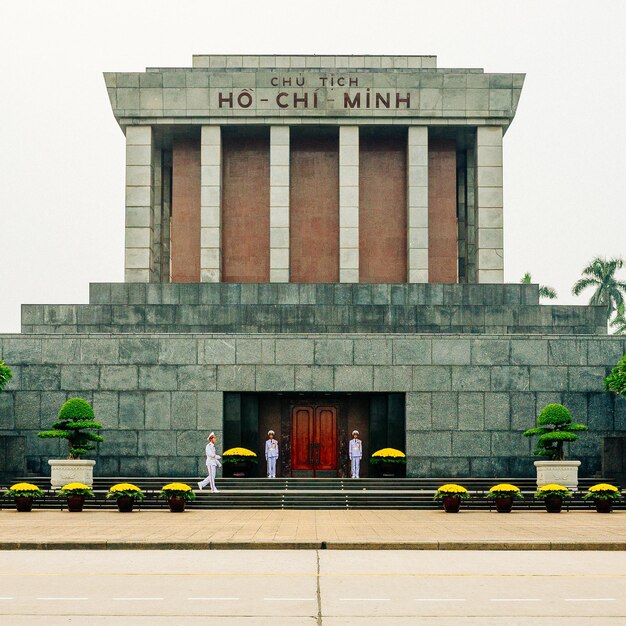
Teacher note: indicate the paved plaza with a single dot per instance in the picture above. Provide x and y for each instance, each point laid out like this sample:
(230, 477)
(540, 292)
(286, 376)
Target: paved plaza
(310, 587)
(310, 529)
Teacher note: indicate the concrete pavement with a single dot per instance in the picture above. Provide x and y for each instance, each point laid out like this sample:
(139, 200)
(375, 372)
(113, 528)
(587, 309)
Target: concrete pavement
(310, 587)
(312, 529)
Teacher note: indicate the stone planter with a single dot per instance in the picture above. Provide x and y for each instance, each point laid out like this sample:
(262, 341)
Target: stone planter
(558, 472)
(63, 471)
(75, 503)
(23, 504)
(451, 504)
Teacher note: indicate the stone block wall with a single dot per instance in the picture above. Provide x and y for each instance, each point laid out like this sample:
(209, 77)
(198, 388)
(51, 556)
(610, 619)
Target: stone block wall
(468, 398)
(313, 308)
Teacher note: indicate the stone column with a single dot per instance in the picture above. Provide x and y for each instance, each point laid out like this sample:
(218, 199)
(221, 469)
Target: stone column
(349, 204)
(417, 201)
(138, 263)
(279, 204)
(210, 204)
(489, 205)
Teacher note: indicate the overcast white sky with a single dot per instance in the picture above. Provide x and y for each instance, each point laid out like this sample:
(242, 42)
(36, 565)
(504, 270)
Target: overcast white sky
(62, 153)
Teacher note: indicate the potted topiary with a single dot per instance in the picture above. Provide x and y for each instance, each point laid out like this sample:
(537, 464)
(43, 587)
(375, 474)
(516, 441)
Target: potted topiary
(603, 496)
(238, 462)
(125, 495)
(177, 495)
(73, 423)
(75, 494)
(553, 496)
(389, 463)
(554, 429)
(451, 496)
(503, 495)
(23, 494)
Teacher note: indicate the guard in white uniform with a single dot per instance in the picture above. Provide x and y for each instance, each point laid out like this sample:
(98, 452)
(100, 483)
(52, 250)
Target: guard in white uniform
(355, 450)
(271, 454)
(212, 463)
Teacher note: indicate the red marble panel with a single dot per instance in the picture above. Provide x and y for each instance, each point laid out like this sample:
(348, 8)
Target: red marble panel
(185, 222)
(314, 208)
(442, 215)
(245, 208)
(382, 209)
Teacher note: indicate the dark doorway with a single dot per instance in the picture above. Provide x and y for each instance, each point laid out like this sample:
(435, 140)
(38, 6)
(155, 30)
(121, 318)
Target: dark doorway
(313, 429)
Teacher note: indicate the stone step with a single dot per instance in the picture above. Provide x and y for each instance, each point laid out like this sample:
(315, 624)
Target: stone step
(290, 484)
(321, 500)
(323, 493)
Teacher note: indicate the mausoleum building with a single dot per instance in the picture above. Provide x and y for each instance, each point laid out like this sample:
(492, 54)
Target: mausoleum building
(314, 244)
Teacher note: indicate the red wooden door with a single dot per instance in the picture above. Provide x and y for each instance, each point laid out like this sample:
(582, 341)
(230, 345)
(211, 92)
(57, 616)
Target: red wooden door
(314, 439)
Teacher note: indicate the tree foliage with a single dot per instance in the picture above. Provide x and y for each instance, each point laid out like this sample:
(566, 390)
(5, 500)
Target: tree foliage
(73, 423)
(554, 428)
(5, 375)
(544, 291)
(616, 380)
(609, 290)
(618, 323)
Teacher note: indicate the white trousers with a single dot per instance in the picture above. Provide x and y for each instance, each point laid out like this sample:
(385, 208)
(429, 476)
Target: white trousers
(271, 467)
(210, 478)
(356, 466)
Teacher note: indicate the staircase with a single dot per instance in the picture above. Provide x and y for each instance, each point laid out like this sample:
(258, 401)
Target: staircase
(316, 493)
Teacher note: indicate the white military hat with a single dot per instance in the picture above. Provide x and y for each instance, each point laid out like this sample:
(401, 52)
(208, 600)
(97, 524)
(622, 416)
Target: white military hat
(211, 435)
(355, 432)
(271, 432)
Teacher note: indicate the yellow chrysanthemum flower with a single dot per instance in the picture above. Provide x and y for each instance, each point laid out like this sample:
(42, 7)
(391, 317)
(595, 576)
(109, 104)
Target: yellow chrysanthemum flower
(176, 487)
(390, 452)
(553, 487)
(504, 487)
(71, 486)
(124, 487)
(238, 452)
(603, 487)
(24, 487)
(452, 488)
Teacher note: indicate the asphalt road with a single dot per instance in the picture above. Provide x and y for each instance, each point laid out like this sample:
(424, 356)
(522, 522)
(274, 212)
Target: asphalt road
(333, 588)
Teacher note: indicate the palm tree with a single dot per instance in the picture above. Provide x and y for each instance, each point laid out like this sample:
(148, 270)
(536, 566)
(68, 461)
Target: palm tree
(619, 321)
(600, 274)
(544, 292)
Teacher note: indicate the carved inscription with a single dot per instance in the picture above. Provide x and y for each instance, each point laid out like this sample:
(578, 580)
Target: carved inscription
(311, 92)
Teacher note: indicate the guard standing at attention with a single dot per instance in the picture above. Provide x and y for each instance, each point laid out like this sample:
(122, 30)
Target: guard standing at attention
(271, 454)
(355, 450)
(212, 463)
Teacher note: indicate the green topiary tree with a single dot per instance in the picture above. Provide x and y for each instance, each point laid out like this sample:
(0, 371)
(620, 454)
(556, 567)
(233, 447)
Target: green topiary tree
(555, 427)
(5, 375)
(616, 380)
(75, 417)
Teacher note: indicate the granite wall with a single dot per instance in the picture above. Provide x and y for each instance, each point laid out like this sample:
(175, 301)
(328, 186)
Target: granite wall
(468, 397)
(313, 308)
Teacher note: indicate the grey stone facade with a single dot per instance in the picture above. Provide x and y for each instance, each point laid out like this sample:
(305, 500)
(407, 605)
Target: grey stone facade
(472, 362)
(313, 308)
(468, 397)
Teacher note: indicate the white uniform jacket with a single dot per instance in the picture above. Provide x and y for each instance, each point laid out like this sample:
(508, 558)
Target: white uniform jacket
(211, 457)
(355, 449)
(271, 449)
